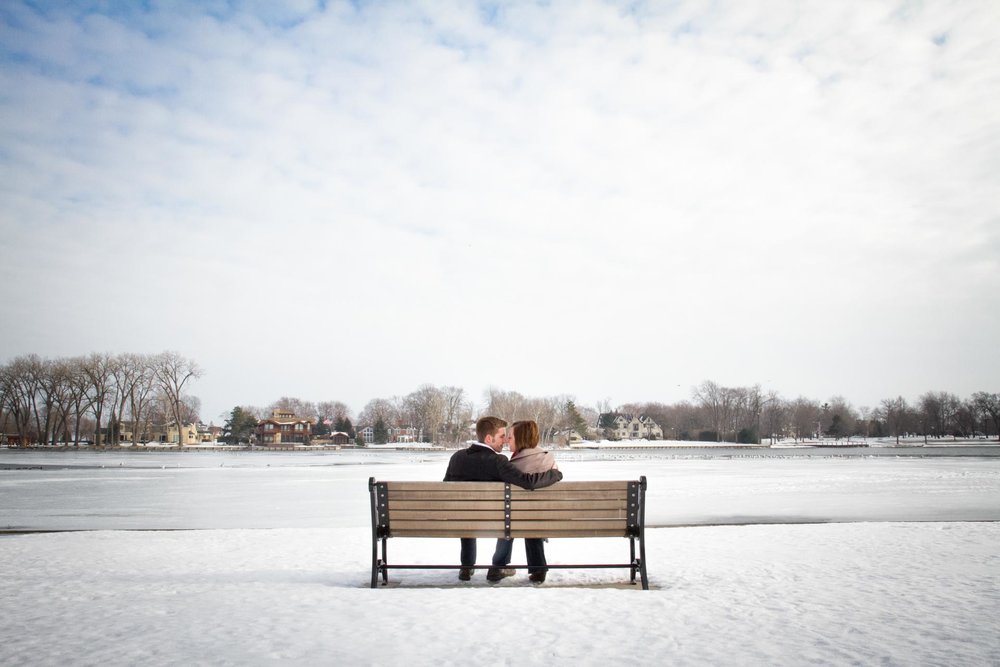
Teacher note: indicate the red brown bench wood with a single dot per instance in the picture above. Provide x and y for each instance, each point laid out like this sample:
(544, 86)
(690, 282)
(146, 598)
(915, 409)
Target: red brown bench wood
(497, 509)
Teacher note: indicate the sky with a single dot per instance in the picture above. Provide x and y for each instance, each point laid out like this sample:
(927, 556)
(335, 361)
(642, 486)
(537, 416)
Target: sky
(611, 200)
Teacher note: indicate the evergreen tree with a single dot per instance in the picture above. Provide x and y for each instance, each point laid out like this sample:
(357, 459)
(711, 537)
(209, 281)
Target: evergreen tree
(380, 432)
(344, 425)
(575, 420)
(239, 427)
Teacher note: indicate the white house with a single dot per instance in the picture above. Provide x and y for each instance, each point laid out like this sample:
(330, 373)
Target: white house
(624, 426)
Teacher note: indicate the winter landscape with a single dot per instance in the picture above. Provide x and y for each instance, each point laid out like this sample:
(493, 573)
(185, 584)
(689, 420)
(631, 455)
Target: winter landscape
(763, 556)
(753, 223)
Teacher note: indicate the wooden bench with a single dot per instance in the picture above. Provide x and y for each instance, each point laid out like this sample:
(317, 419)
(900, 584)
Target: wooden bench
(499, 510)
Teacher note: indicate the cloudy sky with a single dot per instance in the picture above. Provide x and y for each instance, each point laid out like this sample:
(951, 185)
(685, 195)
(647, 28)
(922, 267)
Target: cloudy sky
(342, 201)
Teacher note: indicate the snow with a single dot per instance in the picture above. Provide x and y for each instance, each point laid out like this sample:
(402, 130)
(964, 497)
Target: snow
(796, 559)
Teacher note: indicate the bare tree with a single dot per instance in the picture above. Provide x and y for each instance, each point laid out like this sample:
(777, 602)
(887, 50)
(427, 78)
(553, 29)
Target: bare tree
(989, 404)
(507, 405)
(720, 406)
(547, 413)
(298, 406)
(100, 372)
(774, 416)
(839, 419)
(334, 410)
(457, 414)
(896, 414)
(426, 408)
(18, 392)
(384, 409)
(140, 386)
(805, 414)
(173, 372)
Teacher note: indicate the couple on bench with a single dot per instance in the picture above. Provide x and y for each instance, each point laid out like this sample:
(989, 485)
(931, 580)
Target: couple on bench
(528, 467)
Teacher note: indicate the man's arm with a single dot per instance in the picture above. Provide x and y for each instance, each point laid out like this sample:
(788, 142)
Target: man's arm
(508, 472)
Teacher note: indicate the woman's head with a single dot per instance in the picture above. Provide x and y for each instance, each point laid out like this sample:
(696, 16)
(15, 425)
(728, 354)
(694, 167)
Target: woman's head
(524, 435)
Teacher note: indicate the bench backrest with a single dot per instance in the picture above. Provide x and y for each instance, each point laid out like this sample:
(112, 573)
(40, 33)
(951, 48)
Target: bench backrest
(496, 509)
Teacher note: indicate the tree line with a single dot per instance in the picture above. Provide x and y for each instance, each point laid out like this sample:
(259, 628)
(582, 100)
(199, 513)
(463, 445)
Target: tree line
(751, 415)
(90, 398)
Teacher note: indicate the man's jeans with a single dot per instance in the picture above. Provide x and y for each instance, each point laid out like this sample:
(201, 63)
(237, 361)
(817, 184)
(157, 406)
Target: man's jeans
(534, 549)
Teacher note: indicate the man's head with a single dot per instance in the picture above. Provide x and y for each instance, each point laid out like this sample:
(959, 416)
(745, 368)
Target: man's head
(492, 431)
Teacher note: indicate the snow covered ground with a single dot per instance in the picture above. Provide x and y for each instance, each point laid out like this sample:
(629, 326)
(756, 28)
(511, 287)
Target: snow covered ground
(753, 559)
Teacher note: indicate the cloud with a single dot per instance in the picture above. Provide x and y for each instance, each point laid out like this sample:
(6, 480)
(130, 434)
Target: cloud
(654, 183)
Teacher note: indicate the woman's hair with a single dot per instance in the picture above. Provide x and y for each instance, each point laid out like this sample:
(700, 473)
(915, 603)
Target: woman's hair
(525, 434)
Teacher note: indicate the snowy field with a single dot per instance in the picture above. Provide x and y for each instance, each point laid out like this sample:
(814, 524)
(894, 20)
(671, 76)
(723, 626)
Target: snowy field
(264, 559)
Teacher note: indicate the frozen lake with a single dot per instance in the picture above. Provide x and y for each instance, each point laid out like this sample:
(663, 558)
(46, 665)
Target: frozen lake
(775, 557)
(86, 490)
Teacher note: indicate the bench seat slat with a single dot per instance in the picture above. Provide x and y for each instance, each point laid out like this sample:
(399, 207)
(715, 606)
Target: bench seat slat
(451, 534)
(437, 505)
(518, 514)
(559, 504)
(572, 524)
(516, 534)
(556, 534)
(452, 526)
(444, 515)
(496, 487)
(556, 493)
(449, 494)
(576, 486)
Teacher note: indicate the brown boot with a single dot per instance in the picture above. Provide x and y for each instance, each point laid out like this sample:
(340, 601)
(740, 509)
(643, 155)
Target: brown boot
(498, 573)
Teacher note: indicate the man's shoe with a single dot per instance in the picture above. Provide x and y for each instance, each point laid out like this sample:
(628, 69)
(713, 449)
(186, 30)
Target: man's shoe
(498, 573)
(465, 573)
(537, 577)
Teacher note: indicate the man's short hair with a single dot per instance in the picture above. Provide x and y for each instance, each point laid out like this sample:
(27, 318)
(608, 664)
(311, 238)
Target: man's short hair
(488, 426)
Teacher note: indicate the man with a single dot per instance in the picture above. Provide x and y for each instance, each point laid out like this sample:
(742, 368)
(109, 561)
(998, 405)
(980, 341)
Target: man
(482, 462)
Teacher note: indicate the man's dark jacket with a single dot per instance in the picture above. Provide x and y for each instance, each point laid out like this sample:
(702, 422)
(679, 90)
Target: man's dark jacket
(479, 463)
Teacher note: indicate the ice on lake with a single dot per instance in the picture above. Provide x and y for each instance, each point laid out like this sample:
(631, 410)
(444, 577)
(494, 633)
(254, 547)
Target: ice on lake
(763, 558)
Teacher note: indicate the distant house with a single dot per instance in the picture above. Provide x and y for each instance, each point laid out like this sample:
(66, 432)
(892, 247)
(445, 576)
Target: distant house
(340, 438)
(186, 435)
(405, 434)
(394, 434)
(284, 427)
(624, 426)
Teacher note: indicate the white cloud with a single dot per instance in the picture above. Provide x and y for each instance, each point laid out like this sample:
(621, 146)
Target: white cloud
(737, 174)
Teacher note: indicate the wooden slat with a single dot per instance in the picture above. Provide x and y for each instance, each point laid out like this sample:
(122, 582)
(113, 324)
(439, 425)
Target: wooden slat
(437, 486)
(447, 494)
(443, 515)
(454, 534)
(555, 493)
(435, 505)
(583, 505)
(575, 515)
(556, 525)
(446, 525)
(516, 534)
(592, 532)
(576, 486)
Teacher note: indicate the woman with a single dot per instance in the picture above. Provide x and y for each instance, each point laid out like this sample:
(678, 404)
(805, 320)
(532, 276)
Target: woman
(526, 457)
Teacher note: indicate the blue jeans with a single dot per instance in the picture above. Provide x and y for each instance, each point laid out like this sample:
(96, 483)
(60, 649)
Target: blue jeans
(468, 551)
(534, 549)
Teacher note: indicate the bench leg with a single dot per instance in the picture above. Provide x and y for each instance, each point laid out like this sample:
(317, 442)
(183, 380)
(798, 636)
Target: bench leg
(631, 544)
(642, 560)
(385, 560)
